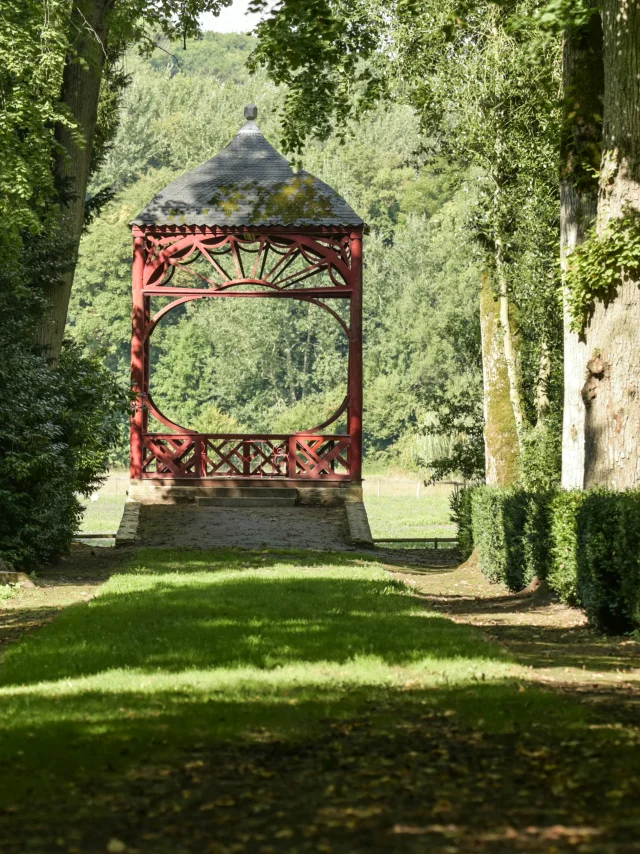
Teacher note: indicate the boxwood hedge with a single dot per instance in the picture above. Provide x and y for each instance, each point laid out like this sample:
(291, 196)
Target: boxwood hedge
(586, 544)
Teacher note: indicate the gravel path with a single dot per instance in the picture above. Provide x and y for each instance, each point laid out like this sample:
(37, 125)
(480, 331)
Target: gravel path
(189, 526)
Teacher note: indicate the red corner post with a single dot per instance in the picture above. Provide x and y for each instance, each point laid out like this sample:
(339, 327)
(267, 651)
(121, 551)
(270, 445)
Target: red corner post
(137, 355)
(355, 359)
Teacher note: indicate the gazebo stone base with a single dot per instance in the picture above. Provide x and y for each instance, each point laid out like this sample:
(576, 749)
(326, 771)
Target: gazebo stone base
(175, 491)
(358, 521)
(128, 531)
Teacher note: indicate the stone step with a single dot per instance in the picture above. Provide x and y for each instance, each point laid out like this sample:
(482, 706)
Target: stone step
(233, 491)
(248, 501)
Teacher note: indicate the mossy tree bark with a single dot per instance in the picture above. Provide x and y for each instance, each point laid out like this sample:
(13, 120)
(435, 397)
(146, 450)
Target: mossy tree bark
(80, 93)
(612, 389)
(500, 428)
(583, 85)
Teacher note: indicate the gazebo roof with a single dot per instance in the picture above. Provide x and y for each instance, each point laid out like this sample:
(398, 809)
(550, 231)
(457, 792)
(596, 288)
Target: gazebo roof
(248, 184)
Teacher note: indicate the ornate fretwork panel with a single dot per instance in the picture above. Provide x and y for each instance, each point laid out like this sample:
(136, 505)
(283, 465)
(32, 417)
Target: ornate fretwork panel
(244, 457)
(321, 456)
(245, 262)
(201, 456)
(170, 456)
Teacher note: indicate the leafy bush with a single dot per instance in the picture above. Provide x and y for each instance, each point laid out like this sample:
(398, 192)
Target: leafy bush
(458, 414)
(460, 503)
(540, 462)
(213, 420)
(598, 266)
(57, 426)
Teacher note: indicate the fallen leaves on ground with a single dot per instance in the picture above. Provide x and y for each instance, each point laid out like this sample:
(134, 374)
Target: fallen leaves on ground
(359, 786)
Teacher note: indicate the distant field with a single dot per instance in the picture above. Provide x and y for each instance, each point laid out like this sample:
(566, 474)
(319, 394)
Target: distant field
(103, 514)
(397, 511)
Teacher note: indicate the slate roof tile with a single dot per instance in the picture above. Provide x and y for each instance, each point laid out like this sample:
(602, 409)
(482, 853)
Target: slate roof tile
(248, 184)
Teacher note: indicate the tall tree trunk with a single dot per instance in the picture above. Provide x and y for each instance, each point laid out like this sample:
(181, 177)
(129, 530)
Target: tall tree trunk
(583, 84)
(500, 431)
(612, 390)
(509, 338)
(509, 345)
(293, 397)
(80, 93)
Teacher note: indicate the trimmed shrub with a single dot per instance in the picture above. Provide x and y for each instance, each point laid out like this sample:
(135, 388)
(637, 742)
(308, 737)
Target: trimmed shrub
(627, 553)
(602, 561)
(536, 539)
(498, 522)
(586, 544)
(595, 555)
(511, 533)
(563, 558)
(488, 537)
(460, 504)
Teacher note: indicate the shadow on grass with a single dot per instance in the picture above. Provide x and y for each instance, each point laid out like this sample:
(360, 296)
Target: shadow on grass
(540, 645)
(75, 738)
(577, 647)
(397, 773)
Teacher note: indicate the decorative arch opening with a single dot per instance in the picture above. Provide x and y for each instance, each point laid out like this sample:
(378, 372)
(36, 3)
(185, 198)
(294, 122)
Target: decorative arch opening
(318, 271)
(248, 365)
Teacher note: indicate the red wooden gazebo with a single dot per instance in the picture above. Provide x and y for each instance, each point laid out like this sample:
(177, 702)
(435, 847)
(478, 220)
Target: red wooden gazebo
(244, 225)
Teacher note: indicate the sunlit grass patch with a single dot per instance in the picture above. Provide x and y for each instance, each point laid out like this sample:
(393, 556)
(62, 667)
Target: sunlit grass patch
(173, 614)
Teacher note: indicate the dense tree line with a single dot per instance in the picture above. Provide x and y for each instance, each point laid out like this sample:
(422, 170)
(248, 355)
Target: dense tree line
(58, 420)
(509, 53)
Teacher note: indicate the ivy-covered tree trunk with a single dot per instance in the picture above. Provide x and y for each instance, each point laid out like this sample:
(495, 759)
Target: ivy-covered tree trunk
(500, 429)
(612, 389)
(80, 94)
(583, 83)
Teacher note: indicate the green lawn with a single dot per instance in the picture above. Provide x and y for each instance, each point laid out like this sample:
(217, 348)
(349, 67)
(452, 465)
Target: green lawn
(103, 515)
(408, 516)
(186, 647)
(231, 701)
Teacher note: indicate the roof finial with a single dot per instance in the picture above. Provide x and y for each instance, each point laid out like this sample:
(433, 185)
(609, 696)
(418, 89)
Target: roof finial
(251, 112)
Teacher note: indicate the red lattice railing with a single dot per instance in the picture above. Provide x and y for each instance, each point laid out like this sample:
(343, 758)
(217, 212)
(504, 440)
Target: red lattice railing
(198, 455)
